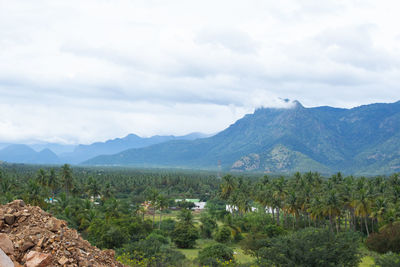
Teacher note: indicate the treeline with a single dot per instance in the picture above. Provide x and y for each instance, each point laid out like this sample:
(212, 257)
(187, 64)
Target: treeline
(299, 220)
(303, 200)
(36, 183)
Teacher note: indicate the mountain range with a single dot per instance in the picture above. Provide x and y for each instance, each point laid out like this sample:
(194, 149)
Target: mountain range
(361, 140)
(42, 153)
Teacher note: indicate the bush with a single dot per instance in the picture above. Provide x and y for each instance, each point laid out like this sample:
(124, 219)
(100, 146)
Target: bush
(167, 226)
(223, 235)
(388, 260)
(154, 250)
(252, 244)
(185, 236)
(185, 233)
(215, 255)
(273, 230)
(208, 225)
(311, 247)
(388, 239)
(216, 208)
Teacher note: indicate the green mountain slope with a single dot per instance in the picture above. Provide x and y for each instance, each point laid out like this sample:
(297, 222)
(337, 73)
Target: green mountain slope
(321, 139)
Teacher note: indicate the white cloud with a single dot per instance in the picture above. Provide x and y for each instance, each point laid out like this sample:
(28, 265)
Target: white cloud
(81, 71)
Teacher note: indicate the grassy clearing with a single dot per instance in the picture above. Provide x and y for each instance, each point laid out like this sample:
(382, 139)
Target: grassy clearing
(367, 261)
(191, 254)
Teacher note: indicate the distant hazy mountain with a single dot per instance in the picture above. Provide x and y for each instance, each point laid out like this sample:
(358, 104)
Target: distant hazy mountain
(85, 152)
(56, 148)
(42, 153)
(25, 154)
(362, 140)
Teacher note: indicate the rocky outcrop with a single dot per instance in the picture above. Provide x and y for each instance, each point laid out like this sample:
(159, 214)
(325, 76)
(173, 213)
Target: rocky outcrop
(32, 237)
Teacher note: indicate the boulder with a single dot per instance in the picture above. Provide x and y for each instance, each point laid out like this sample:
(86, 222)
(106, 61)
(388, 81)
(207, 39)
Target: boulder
(27, 245)
(63, 260)
(5, 261)
(55, 225)
(9, 218)
(37, 259)
(6, 245)
(17, 203)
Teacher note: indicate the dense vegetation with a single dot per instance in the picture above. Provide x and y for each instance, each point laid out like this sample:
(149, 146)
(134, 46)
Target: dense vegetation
(302, 220)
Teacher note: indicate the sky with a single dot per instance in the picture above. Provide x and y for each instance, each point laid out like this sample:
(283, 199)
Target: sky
(82, 71)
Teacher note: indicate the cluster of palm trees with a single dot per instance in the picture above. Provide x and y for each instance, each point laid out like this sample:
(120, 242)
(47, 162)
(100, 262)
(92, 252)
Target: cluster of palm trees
(52, 182)
(157, 201)
(309, 199)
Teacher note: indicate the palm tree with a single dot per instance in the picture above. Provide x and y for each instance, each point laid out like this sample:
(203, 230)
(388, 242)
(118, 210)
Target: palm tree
(278, 195)
(228, 186)
(378, 210)
(66, 177)
(93, 187)
(41, 177)
(34, 193)
(152, 197)
(291, 205)
(332, 208)
(107, 191)
(52, 182)
(362, 206)
(162, 203)
(316, 209)
(263, 195)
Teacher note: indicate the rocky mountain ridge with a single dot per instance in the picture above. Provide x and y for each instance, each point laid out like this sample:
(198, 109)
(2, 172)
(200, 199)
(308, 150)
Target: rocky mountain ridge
(363, 140)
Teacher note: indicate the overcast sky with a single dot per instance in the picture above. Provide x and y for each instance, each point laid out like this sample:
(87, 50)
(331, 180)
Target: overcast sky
(78, 71)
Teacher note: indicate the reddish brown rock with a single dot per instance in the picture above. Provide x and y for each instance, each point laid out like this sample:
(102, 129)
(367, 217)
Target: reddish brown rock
(63, 260)
(17, 203)
(27, 245)
(6, 245)
(55, 225)
(41, 241)
(37, 259)
(35, 232)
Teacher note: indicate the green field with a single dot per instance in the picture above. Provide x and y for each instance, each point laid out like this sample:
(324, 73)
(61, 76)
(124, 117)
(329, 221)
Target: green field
(202, 243)
(367, 261)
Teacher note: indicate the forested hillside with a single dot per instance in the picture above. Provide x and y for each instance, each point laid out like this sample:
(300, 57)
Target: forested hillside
(362, 140)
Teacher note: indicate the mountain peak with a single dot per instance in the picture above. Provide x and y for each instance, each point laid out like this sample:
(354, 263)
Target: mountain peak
(297, 104)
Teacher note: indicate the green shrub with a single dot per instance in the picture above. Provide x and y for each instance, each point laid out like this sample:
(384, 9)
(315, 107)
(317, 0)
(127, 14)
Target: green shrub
(185, 233)
(311, 247)
(272, 230)
(208, 225)
(154, 250)
(388, 260)
(167, 226)
(252, 243)
(185, 236)
(223, 235)
(215, 255)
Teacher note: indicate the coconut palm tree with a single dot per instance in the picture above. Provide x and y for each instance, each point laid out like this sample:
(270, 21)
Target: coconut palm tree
(279, 193)
(66, 177)
(332, 208)
(152, 197)
(362, 206)
(228, 186)
(52, 182)
(162, 203)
